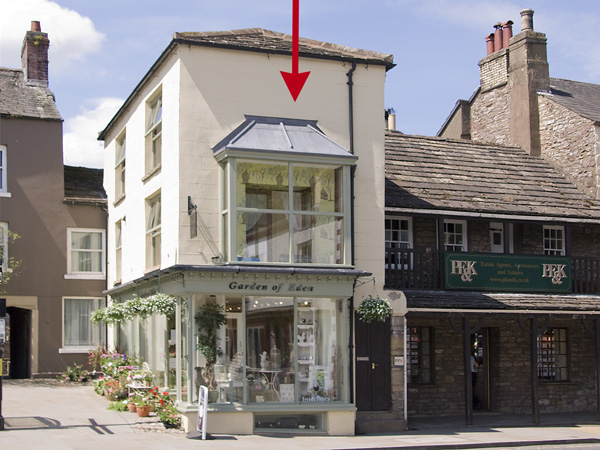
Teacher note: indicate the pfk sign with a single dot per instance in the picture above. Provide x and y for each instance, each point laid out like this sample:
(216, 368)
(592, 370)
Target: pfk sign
(507, 273)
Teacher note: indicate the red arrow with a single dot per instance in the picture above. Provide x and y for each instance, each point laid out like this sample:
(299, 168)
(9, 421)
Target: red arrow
(295, 81)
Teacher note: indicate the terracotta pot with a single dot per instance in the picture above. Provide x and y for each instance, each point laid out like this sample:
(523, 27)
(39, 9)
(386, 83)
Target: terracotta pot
(143, 411)
(132, 407)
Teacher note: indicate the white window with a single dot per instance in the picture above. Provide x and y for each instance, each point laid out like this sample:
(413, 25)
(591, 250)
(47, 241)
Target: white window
(153, 134)
(554, 240)
(455, 235)
(153, 224)
(398, 235)
(79, 333)
(86, 254)
(118, 250)
(3, 186)
(120, 167)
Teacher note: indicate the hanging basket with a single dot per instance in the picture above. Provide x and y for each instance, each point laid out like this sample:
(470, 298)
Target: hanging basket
(374, 308)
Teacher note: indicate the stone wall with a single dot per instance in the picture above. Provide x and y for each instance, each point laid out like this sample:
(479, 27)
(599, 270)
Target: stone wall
(509, 370)
(490, 116)
(570, 143)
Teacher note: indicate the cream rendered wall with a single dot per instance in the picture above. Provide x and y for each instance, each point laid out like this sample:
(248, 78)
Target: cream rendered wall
(133, 207)
(218, 87)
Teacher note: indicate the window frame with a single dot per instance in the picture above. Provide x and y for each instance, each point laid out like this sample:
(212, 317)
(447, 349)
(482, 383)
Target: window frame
(153, 231)
(550, 353)
(120, 167)
(547, 239)
(230, 208)
(463, 246)
(420, 355)
(85, 275)
(3, 171)
(118, 250)
(100, 303)
(153, 134)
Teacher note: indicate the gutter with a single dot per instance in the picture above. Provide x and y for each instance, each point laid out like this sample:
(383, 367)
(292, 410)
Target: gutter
(502, 311)
(495, 216)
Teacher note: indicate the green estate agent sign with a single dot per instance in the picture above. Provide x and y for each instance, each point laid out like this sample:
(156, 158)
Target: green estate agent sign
(510, 273)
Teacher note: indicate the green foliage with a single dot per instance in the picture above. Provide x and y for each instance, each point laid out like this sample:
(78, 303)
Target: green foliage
(118, 405)
(374, 308)
(165, 409)
(142, 307)
(74, 373)
(209, 318)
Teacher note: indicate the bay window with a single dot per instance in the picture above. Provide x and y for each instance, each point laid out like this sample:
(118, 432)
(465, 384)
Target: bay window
(286, 212)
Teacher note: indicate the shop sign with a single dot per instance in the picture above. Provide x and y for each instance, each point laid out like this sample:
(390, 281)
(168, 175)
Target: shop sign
(275, 288)
(508, 273)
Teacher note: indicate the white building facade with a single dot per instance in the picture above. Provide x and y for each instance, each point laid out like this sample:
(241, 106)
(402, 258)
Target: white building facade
(225, 191)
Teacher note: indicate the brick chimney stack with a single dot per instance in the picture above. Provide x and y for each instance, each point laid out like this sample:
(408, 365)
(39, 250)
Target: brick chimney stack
(34, 55)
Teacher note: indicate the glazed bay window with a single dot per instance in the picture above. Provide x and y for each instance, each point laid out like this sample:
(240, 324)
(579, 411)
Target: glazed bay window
(79, 333)
(287, 212)
(86, 253)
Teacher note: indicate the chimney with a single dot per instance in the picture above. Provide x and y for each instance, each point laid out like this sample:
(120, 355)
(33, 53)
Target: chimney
(507, 32)
(498, 37)
(34, 55)
(528, 73)
(489, 41)
(390, 115)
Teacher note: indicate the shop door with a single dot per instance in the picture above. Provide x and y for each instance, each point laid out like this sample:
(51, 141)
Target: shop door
(373, 371)
(481, 387)
(20, 338)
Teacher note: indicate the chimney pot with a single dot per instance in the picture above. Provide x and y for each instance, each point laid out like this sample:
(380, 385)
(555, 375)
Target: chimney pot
(508, 33)
(527, 19)
(489, 40)
(498, 39)
(35, 25)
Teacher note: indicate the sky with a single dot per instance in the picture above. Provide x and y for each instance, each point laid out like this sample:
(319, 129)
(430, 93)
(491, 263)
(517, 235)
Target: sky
(100, 50)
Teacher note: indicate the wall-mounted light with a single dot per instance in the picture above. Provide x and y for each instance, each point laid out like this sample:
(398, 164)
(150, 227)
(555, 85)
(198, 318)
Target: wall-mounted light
(191, 206)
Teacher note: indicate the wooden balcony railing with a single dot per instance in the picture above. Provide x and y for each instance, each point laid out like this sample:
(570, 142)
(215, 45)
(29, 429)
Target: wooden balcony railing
(408, 268)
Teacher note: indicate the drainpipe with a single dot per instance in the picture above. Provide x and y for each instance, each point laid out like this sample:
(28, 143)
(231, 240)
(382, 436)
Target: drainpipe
(352, 171)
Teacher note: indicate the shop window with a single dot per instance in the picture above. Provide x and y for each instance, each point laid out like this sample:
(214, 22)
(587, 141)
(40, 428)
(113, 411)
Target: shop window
(553, 355)
(455, 235)
(419, 355)
(554, 240)
(79, 333)
(287, 213)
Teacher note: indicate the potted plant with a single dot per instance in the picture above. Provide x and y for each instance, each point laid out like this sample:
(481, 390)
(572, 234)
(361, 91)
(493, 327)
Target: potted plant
(143, 405)
(209, 318)
(374, 308)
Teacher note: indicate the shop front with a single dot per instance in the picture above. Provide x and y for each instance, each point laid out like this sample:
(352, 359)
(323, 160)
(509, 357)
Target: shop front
(279, 356)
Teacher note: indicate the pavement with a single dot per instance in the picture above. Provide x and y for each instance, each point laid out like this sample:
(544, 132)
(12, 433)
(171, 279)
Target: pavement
(45, 414)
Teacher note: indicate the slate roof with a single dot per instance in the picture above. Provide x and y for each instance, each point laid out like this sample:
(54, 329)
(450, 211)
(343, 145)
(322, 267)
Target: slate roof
(278, 135)
(83, 183)
(258, 39)
(581, 98)
(20, 99)
(445, 301)
(462, 175)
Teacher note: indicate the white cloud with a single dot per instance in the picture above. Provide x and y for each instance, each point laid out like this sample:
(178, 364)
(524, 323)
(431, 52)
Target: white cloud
(80, 141)
(72, 36)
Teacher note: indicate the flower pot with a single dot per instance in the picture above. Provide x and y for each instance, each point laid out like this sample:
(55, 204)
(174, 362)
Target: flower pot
(143, 411)
(132, 407)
